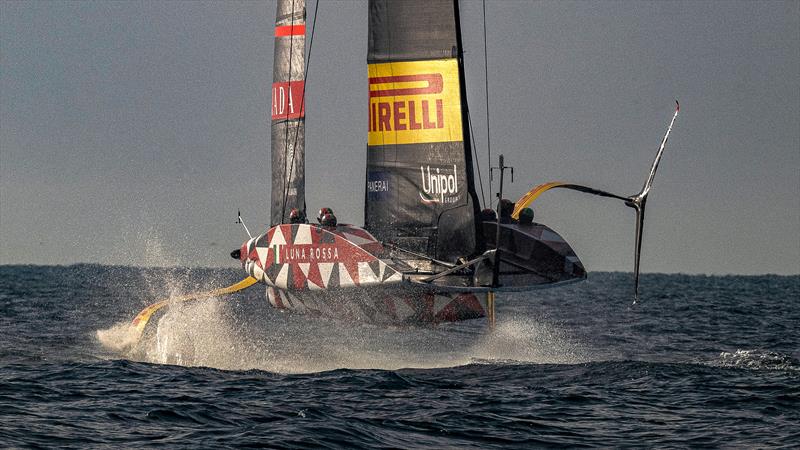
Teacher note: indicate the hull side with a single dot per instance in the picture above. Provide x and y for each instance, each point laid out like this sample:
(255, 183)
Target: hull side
(398, 305)
(343, 272)
(334, 272)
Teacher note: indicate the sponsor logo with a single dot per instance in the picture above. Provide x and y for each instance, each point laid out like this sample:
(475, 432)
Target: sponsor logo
(378, 186)
(414, 102)
(400, 115)
(439, 186)
(287, 100)
(309, 253)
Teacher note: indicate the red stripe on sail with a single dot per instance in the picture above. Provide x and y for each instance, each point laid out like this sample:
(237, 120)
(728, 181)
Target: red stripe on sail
(434, 85)
(290, 30)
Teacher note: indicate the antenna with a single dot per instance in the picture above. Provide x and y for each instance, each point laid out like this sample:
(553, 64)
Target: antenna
(239, 220)
(496, 268)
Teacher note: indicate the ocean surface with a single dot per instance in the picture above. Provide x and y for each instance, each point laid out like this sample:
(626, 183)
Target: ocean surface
(707, 361)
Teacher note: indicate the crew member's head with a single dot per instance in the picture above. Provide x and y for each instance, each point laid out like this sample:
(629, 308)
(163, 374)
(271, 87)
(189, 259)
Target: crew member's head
(297, 216)
(328, 220)
(506, 208)
(322, 213)
(488, 215)
(526, 216)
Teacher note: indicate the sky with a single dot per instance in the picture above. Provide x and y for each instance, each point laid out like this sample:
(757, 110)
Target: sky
(132, 132)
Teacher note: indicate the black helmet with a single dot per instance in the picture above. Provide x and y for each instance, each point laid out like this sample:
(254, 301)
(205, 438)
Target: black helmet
(506, 208)
(488, 215)
(526, 216)
(328, 220)
(322, 213)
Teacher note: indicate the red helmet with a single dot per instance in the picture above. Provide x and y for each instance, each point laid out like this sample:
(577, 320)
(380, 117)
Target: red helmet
(296, 216)
(322, 213)
(328, 220)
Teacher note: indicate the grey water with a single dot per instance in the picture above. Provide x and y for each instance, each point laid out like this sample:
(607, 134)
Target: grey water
(701, 361)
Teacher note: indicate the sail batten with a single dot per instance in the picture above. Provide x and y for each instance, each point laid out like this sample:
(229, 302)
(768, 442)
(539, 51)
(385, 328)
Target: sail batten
(288, 111)
(420, 190)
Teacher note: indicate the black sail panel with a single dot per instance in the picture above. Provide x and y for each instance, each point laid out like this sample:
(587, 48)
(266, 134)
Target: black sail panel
(420, 191)
(288, 112)
(411, 30)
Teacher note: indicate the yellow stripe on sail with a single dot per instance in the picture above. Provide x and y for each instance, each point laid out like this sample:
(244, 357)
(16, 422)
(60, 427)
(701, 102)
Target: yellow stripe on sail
(532, 195)
(141, 319)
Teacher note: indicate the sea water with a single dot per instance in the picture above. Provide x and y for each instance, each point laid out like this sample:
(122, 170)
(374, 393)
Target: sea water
(700, 361)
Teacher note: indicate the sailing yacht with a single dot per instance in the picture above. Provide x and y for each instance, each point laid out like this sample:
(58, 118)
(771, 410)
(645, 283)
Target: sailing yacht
(423, 255)
(426, 254)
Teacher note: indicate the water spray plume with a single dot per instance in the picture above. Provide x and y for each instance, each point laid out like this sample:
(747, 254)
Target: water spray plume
(124, 336)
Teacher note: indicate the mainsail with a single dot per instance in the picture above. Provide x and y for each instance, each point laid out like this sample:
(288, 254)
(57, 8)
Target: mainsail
(420, 191)
(288, 112)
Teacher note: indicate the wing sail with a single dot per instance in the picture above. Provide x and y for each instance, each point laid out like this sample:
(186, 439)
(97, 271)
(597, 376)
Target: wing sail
(420, 191)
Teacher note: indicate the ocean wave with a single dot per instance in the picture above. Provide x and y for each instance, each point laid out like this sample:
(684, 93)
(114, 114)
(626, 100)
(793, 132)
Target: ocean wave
(758, 360)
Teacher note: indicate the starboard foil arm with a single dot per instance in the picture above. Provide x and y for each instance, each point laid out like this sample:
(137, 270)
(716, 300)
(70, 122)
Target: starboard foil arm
(538, 190)
(636, 202)
(140, 321)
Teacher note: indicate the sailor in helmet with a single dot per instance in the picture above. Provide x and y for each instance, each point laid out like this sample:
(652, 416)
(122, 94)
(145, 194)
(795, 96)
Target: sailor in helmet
(488, 215)
(506, 209)
(326, 217)
(297, 216)
(526, 216)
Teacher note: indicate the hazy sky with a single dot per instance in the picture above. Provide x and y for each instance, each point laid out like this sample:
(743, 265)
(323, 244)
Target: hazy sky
(130, 132)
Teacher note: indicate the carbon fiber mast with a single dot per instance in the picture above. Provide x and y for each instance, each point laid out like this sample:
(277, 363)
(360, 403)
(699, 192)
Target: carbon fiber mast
(288, 111)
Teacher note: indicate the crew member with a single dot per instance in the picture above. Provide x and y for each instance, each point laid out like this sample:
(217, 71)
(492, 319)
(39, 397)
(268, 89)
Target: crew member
(297, 216)
(326, 218)
(322, 212)
(488, 215)
(526, 216)
(506, 209)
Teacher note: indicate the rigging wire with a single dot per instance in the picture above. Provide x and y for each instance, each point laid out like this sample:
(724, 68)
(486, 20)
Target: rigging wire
(475, 151)
(486, 80)
(302, 106)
